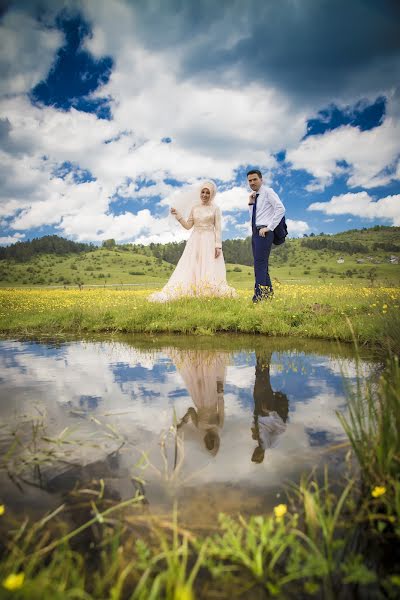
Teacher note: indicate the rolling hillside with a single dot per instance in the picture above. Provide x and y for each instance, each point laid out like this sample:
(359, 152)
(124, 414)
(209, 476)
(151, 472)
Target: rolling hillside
(362, 256)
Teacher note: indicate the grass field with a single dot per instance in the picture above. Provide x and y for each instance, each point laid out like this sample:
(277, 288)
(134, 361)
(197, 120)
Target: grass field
(325, 311)
(290, 263)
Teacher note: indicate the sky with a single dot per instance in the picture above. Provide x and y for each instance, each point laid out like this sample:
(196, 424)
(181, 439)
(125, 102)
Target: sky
(108, 107)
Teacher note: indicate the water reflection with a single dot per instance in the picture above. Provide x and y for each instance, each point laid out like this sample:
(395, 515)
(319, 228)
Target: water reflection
(203, 373)
(212, 425)
(271, 409)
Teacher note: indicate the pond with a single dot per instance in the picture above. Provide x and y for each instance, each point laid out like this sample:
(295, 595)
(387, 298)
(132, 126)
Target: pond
(218, 424)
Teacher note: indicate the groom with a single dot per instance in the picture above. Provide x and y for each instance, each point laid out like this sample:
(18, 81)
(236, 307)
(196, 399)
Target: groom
(266, 211)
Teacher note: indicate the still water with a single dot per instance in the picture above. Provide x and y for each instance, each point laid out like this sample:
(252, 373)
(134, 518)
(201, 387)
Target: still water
(219, 425)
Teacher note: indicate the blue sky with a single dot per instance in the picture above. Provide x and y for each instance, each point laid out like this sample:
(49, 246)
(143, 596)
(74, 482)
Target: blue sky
(108, 107)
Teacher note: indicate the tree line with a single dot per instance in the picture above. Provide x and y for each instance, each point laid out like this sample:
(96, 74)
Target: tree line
(235, 251)
(317, 243)
(48, 244)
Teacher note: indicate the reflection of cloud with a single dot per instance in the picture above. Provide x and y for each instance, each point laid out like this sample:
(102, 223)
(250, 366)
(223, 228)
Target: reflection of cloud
(138, 392)
(346, 367)
(240, 376)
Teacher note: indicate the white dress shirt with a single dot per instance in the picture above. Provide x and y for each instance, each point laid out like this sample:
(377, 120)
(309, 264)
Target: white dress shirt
(269, 209)
(270, 428)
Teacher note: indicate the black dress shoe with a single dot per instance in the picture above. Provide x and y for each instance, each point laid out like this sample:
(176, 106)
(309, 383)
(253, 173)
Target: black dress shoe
(266, 294)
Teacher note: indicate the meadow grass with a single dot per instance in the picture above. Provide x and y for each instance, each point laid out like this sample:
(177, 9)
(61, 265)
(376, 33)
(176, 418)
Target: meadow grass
(291, 263)
(302, 311)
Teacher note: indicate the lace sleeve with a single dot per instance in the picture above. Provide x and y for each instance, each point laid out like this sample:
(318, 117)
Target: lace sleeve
(217, 225)
(186, 224)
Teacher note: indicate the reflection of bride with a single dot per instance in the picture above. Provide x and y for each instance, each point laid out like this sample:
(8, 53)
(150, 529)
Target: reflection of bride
(203, 374)
(270, 410)
(201, 268)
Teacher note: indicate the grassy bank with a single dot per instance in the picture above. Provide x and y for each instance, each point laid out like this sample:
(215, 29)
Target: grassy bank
(329, 539)
(323, 311)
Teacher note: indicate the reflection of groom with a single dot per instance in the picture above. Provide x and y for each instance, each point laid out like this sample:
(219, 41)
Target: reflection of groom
(270, 410)
(266, 211)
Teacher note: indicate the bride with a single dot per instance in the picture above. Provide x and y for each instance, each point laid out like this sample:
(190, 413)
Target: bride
(201, 268)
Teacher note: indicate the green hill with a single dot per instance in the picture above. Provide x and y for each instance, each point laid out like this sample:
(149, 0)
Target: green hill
(362, 256)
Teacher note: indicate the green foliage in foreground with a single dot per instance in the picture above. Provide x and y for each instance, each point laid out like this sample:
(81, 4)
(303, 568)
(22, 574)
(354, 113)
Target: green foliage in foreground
(329, 541)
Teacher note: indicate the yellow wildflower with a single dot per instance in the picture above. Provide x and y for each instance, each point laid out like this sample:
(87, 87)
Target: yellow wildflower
(280, 511)
(14, 581)
(378, 491)
(2, 510)
(183, 592)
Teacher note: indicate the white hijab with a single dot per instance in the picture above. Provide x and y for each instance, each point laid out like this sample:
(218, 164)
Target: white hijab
(188, 196)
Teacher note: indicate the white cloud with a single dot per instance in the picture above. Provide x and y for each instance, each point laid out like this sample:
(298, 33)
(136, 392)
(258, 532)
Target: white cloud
(361, 204)
(234, 199)
(27, 51)
(296, 228)
(125, 227)
(367, 158)
(215, 128)
(11, 239)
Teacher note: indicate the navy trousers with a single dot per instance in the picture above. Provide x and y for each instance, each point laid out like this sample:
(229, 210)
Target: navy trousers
(261, 247)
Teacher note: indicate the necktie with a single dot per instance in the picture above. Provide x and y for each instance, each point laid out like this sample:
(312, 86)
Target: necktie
(253, 216)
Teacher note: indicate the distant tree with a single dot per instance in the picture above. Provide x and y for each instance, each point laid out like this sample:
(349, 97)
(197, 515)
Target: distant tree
(386, 247)
(372, 275)
(48, 244)
(109, 244)
(327, 243)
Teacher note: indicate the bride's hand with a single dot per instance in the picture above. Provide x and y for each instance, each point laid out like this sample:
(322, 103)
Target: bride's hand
(217, 252)
(174, 211)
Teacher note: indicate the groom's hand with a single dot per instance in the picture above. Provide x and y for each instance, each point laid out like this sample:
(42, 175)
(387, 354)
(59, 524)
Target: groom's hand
(217, 252)
(263, 231)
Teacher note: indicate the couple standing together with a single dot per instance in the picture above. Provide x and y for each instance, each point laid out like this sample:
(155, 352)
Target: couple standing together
(201, 268)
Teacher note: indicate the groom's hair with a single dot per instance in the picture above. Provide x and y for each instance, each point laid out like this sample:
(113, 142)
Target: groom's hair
(254, 172)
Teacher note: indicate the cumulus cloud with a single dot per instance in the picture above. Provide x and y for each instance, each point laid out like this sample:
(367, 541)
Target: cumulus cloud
(345, 49)
(234, 199)
(296, 228)
(367, 158)
(118, 157)
(226, 92)
(361, 204)
(26, 52)
(11, 239)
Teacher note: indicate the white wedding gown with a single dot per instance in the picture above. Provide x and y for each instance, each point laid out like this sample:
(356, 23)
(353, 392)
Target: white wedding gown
(198, 272)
